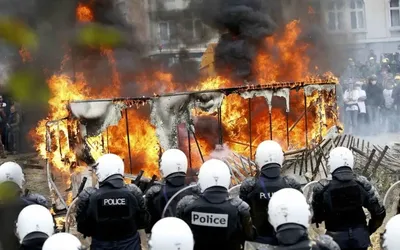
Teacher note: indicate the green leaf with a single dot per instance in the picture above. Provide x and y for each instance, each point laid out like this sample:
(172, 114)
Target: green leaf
(95, 35)
(17, 33)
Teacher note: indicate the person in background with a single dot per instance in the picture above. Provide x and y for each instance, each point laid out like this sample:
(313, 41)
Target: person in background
(351, 71)
(173, 168)
(374, 102)
(372, 68)
(34, 226)
(362, 115)
(372, 55)
(12, 200)
(388, 110)
(390, 239)
(62, 241)
(13, 127)
(217, 221)
(257, 191)
(339, 202)
(289, 214)
(396, 100)
(350, 97)
(113, 213)
(171, 233)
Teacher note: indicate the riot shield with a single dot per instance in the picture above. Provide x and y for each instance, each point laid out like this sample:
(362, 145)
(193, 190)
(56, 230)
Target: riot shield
(391, 200)
(70, 218)
(70, 223)
(249, 245)
(313, 230)
(174, 197)
(234, 191)
(308, 191)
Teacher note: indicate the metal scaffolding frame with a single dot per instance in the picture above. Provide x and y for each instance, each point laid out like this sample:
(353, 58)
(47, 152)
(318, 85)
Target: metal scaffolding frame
(132, 102)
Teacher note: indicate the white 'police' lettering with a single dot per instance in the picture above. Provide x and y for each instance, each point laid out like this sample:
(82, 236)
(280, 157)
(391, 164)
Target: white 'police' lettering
(209, 220)
(265, 196)
(114, 202)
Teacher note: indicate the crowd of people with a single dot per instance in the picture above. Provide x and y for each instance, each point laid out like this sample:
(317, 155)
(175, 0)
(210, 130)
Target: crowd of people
(270, 209)
(370, 96)
(10, 121)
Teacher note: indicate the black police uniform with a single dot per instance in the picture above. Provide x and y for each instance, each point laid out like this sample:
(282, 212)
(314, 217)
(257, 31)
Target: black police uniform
(217, 222)
(157, 197)
(295, 237)
(34, 241)
(112, 215)
(257, 191)
(9, 211)
(340, 201)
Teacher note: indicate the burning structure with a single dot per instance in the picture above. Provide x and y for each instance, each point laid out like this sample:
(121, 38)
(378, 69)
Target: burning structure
(285, 99)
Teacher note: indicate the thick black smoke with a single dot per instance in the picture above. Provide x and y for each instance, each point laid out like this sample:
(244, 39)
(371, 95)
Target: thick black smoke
(55, 24)
(243, 24)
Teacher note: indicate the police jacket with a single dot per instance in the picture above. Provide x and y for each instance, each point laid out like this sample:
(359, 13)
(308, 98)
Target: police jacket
(295, 237)
(217, 222)
(257, 191)
(9, 211)
(340, 201)
(34, 241)
(113, 206)
(157, 197)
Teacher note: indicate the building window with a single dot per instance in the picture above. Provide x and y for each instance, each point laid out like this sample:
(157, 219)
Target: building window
(345, 15)
(357, 14)
(163, 31)
(395, 13)
(198, 31)
(193, 29)
(336, 9)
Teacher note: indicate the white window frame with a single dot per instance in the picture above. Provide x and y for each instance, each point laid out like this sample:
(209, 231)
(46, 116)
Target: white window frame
(168, 31)
(390, 15)
(347, 10)
(335, 11)
(357, 11)
(195, 35)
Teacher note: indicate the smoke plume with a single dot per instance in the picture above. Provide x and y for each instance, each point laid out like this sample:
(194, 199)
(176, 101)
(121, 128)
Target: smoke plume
(243, 24)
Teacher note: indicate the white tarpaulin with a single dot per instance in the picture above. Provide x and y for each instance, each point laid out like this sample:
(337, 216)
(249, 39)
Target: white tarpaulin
(96, 116)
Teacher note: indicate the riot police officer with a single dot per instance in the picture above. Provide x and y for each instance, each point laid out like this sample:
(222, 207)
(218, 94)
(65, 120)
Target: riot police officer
(217, 222)
(34, 225)
(173, 167)
(290, 216)
(340, 201)
(112, 214)
(391, 236)
(62, 241)
(12, 201)
(170, 234)
(257, 191)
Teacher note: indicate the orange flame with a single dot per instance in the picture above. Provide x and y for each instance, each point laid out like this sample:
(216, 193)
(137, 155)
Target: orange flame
(25, 55)
(84, 13)
(288, 62)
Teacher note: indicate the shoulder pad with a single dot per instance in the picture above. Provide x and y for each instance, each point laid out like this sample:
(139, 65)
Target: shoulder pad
(153, 191)
(321, 185)
(325, 242)
(371, 190)
(38, 199)
(241, 205)
(134, 189)
(292, 182)
(196, 190)
(184, 202)
(247, 185)
(86, 193)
